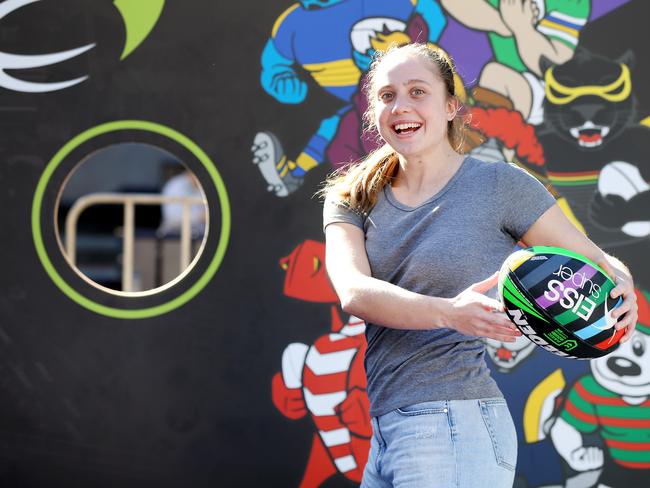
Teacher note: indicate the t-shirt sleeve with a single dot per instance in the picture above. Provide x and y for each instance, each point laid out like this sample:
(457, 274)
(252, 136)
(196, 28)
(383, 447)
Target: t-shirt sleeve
(522, 199)
(335, 211)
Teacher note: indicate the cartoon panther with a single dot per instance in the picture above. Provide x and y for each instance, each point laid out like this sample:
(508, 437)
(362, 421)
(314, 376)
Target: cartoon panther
(590, 134)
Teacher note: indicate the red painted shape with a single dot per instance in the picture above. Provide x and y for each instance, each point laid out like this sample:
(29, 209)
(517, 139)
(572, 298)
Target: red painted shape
(288, 401)
(331, 368)
(306, 278)
(509, 127)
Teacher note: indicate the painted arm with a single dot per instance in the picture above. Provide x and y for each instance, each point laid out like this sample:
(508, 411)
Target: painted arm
(477, 14)
(286, 386)
(278, 77)
(554, 229)
(520, 18)
(614, 211)
(568, 443)
(389, 305)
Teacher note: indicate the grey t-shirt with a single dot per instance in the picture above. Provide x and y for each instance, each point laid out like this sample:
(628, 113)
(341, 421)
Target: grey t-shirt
(458, 237)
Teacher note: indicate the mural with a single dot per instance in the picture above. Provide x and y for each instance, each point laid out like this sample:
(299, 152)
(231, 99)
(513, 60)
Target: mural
(530, 105)
(139, 19)
(325, 379)
(246, 373)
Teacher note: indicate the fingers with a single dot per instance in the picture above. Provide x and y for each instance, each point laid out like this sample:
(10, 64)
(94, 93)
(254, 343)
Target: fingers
(497, 326)
(627, 312)
(491, 305)
(623, 288)
(486, 284)
(629, 332)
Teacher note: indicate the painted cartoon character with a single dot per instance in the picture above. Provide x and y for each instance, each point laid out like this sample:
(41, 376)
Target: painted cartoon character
(325, 380)
(316, 37)
(596, 154)
(532, 380)
(506, 356)
(520, 33)
(611, 405)
(590, 152)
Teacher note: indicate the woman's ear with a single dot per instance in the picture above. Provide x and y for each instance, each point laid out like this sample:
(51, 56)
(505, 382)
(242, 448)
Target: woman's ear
(453, 106)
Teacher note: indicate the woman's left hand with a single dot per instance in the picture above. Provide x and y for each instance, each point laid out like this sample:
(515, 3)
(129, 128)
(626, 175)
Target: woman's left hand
(628, 310)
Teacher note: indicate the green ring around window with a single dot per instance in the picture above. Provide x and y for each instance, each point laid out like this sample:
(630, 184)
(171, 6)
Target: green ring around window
(176, 301)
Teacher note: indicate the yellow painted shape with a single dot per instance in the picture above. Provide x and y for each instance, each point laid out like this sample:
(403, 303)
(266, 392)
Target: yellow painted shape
(306, 162)
(383, 41)
(553, 383)
(564, 205)
(560, 27)
(616, 91)
(280, 19)
(341, 72)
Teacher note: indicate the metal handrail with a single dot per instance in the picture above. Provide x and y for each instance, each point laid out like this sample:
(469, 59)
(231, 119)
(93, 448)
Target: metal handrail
(129, 200)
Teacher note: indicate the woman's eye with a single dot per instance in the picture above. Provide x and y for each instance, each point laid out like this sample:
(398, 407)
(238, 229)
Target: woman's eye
(386, 96)
(417, 91)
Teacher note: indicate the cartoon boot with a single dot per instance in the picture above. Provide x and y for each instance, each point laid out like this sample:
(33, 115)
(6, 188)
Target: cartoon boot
(273, 164)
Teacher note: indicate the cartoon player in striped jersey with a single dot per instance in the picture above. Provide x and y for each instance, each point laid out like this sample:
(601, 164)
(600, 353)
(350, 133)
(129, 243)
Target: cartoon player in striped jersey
(325, 380)
(313, 38)
(614, 404)
(521, 32)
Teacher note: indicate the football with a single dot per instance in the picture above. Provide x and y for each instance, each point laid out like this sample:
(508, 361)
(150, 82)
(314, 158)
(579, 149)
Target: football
(560, 301)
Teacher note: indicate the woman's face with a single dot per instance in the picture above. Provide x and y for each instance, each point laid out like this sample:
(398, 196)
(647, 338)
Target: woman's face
(412, 108)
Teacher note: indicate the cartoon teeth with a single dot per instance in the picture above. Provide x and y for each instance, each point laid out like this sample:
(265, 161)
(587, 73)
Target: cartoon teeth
(589, 134)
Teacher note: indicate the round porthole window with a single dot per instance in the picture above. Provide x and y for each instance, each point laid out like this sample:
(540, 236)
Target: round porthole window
(131, 219)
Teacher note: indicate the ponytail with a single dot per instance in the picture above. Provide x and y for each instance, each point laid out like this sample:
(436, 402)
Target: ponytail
(357, 185)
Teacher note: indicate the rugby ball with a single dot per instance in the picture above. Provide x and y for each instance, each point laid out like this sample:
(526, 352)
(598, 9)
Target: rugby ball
(560, 301)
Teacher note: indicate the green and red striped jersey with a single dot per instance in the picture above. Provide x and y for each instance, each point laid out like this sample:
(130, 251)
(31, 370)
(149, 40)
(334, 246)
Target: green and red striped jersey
(625, 428)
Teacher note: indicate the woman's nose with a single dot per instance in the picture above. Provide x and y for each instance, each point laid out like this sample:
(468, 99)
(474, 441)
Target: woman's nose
(400, 105)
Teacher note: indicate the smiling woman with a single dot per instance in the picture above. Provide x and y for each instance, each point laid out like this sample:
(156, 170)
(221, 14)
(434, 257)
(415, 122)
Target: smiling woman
(411, 233)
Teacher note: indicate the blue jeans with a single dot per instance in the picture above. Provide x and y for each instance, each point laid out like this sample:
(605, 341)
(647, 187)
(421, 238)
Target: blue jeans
(443, 444)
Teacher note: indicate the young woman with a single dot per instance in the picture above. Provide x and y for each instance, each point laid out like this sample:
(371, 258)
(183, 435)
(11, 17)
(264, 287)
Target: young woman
(411, 234)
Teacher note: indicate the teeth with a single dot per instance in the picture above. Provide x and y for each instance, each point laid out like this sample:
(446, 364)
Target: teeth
(408, 125)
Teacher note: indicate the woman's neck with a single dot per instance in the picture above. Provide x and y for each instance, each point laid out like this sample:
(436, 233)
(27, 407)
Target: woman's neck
(427, 173)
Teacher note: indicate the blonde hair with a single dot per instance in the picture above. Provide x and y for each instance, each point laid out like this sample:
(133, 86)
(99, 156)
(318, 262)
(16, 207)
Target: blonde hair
(357, 185)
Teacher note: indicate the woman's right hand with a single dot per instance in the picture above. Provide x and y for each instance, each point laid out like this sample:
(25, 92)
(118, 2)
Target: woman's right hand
(474, 314)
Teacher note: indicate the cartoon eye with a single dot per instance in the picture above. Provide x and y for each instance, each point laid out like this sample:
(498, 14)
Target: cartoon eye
(316, 264)
(638, 348)
(560, 97)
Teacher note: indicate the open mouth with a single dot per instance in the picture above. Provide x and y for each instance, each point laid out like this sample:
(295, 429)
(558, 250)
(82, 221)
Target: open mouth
(505, 355)
(589, 134)
(406, 127)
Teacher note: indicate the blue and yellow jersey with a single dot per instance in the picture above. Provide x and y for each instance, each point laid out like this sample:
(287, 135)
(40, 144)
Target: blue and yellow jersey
(319, 39)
